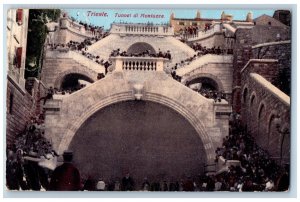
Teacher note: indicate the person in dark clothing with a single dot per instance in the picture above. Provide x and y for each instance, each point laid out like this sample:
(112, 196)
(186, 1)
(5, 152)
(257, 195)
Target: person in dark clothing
(31, 169)
(127, 183)
(146, 185)
(48, 96)
(89, 184)
(283, 182)
(11, 172)
(188, 185)
(65, 177)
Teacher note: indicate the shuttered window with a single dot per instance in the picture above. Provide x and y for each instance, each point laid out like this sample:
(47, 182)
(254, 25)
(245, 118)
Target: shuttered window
(19, 57)
(19, 17)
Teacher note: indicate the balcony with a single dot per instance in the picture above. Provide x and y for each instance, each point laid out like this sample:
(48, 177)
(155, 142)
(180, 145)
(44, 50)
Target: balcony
(145, 64)
(142, 29)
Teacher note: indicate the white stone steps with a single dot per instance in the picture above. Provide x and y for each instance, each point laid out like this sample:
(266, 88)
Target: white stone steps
(206, 59)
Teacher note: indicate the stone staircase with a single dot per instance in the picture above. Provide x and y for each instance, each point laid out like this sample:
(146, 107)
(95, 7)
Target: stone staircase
(104, 46)
(79, 58)
(204, 60)
(53, 68)
(205, 34)
(179, 51)
(222, 165)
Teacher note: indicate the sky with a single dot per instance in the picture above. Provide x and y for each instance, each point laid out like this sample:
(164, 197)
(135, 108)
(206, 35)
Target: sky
(84, 15)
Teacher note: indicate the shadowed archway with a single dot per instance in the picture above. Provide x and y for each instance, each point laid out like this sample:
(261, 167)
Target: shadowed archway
(140, 47)
(144, 138)
(72, 81)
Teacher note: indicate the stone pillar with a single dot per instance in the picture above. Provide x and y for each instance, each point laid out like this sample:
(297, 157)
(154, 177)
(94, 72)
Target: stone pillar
(118, 65)
(160, 65)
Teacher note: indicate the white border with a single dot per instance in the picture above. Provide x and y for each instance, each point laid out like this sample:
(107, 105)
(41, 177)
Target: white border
(217, 3)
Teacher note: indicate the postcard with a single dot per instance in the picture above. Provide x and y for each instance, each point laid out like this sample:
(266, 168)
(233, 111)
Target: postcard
(148, 99)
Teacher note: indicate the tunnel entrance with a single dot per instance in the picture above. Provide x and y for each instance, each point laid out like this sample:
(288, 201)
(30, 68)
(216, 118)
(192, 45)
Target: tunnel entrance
(205, 83)
(74, 81)
(143, 138)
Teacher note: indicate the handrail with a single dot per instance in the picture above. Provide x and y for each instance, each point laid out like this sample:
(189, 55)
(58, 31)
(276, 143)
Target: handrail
(98, 68)
(205, 59)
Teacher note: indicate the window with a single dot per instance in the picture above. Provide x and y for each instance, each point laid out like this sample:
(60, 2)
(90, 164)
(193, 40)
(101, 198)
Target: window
(19, 16)
(19, 57)
(11, 100)
(181, 23)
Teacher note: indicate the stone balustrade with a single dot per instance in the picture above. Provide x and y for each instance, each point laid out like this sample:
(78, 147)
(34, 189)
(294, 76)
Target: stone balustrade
(66, 23)
(204, 34)
(142, 29)
(138, 63)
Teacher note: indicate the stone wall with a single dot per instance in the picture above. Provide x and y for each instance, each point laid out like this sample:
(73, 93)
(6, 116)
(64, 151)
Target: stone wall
(63, 36)
(265, 33)
(216, 40)
(263, 103)
(221, 73)
(54, 70)
(242, 52)
(280, 50)
(21, 106)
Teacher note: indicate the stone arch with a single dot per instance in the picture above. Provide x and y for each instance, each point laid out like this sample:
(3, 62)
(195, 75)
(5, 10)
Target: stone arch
(190, 117)
(245, 94)
(271, 117)
(140, 47)
(62, 75)
(285, 144)
(252, 99)
(186, 103)
(261, 112)
(205, 75)
(271, 132)
(261, 107)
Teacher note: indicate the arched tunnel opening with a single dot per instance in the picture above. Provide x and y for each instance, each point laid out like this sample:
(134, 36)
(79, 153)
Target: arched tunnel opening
(140, 47)
(143, 138)
(205, 84)
(74, 81)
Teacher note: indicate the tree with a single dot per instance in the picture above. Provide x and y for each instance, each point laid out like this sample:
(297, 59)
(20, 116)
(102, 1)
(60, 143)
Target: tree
(37, 33)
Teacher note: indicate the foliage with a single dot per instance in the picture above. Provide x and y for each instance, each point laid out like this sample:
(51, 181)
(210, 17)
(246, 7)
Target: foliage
(37, 33)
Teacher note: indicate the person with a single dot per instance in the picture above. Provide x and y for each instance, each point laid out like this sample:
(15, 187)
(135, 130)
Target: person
(127, 183)
(48, 96)
(11, 171)
(100, 185)
(66, 177)
(146, 185)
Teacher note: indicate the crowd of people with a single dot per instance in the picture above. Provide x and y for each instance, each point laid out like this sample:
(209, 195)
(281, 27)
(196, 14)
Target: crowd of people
(94, 30)
(22, 169)
(192, 31)
(69, 90)
(146, 53)
(82, 48)
(200, 51)
(203, 50)
(213, 94)
(257, 171)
